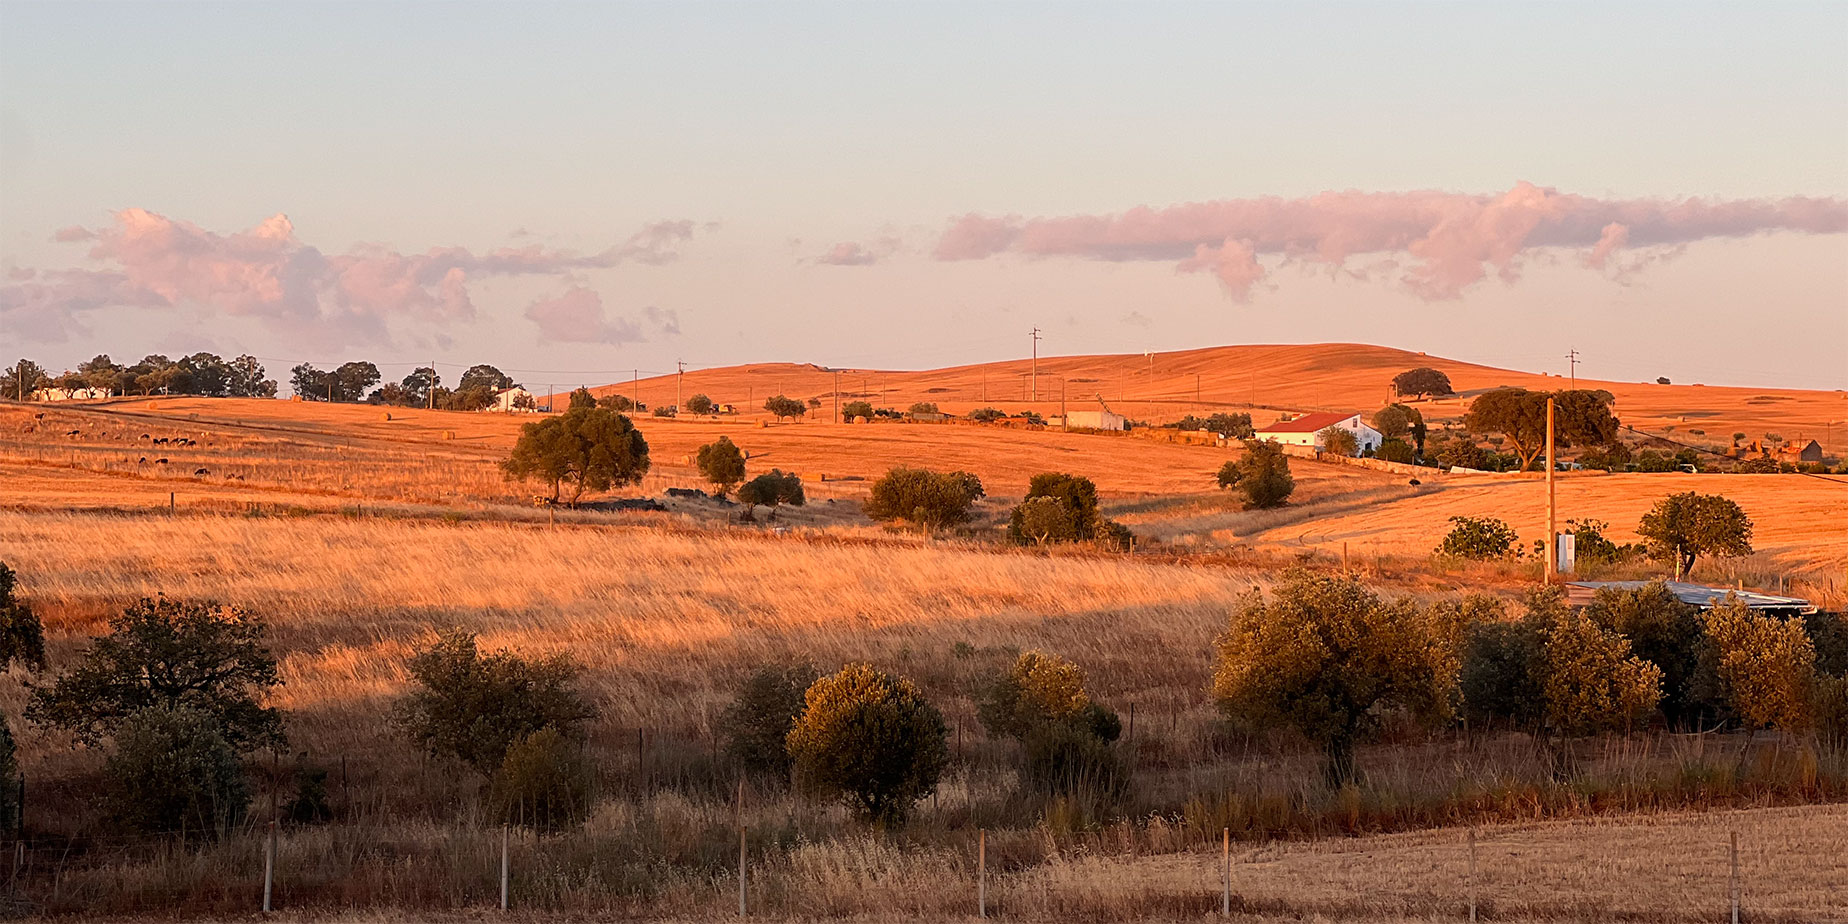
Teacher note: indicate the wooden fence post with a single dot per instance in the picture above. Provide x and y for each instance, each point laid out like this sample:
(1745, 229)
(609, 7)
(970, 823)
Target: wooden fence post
(269, 866)
(743, 909)
(1735, 877)
(506, 863)
(1225, 873)
(1472, 875)
(981, 872)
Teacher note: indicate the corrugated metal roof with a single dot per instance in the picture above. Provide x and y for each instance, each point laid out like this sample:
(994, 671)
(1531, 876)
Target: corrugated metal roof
(1702, 595)
(1308, 423)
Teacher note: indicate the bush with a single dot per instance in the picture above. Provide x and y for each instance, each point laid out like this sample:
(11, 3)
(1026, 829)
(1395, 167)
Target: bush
(9, 778)
(1231, 426)
(1651, 461)
(1328, 658)
(1041, 520)
(618, 403)
(700, 404)
(1396, 450)
(1593, 683)
(1478, 538)
(722, 464)
(1828, 632)
(1038, 689)
(1338, 441)
(543, 782)
(1663, 631)
(871, 739)
(1765, 666)
(1611, 457)
(1068, 760)
(923, 407)
(588, 448)
(1503, 673)
(986, 415)
(666, 411)
(1398, 422)
(172, 770)
(22, 637)
(927, 499)
(1262, 474)
(581, 398)
(1682, 527)
(853, 409)
(783, 406)
(756, 725)
(474, 707)
(773, 489)
(169, 654)
(1759, 466)
(1590, 546)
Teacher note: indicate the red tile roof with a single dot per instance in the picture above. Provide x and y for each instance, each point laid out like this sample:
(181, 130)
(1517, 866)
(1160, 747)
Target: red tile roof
(1307, 423)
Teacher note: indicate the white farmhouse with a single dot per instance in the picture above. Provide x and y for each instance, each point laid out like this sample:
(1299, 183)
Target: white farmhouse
(509, 400)
(69, 394)
(1306, 430)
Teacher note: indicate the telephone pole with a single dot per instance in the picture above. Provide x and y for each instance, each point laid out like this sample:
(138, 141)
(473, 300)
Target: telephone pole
(1573, 360)
(1552, 513)
(837, 396)
(680, 377)
(431, 385)
(635, 385)
(1035, 373)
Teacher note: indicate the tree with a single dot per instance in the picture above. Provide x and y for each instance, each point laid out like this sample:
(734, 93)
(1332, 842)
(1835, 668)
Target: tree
(1262, 474)
(485, 376)
(871, 739)
(722, 463)
(783, 406)
(922, 408)
(352, 380)
(589, 448)
(1421, 382)
(1583, 417)
(246, 379)
(773, 489)
(1041, 689)
(1503, 674)
(1231, 426)
(173, 770)
(756, 725)
(1327, 657)
(618, 403)
(474, 706)
(1039, 520)
(853, 409)
(581, 398)
(21, 379)
(1397, 421)
(927, 499)
(1683, 527)
(700, 404)
(1765, 666)
(1338, 441)
(1076, 498)
(543, 782)
(22, 637)
(1396, 450)
(1515, 413)
(170, 654)
(1592, 681)
(1662, 631)
(419, 384)
(979, 415)
(1478, 538)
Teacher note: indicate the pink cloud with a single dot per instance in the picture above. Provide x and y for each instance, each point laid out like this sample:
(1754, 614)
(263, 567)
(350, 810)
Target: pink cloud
(577, 317)
(146, 260)
(848, 253)
(1455, 240)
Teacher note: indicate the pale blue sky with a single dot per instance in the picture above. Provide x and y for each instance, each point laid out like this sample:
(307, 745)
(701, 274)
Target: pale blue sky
(797, 126)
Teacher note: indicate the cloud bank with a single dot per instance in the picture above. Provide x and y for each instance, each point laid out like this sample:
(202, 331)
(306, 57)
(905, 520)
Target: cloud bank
(1446, 241)
(148, 261)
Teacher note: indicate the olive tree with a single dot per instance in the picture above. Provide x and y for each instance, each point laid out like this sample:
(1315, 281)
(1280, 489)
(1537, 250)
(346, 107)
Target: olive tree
(1683, 527)
(773, 489)
(1765, 666)
(1262, 474)
(588, 448)
(1421, 382)
(756, 725)
(173, 771)
(474, 706)
(783, 406)
(722, 464)
(22, 636)
(1339, 441)
(926, 499)
(871, 739)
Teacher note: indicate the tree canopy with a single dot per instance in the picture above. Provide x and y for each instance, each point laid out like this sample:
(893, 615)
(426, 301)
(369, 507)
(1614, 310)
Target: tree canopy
(1397, 421)
(700, 404)
(588, 448)
(783, 406)
(872, 739)
(931, 500)
(722, 464)
(773, 489)
(22, 636)
(1580, 417)
(1682, 527)
(475, 706)
(1421, 382)
(1262, 474)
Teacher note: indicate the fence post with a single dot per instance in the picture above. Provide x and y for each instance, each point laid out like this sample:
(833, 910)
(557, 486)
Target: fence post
(1472, 875)
(743, 909)
(505, 863)
(981, 872)
(1735, 877)
(1225, 873)
(269, 866)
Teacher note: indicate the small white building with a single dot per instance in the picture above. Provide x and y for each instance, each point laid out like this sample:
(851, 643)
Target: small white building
(1306, 430)
(69, 394)
(514, 400)
(1101, 419)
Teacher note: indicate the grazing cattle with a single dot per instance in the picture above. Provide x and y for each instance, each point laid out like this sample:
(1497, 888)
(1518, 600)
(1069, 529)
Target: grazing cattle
(143, 461)
(160, 461)
(72, 432)
(145, 436)
(200, 471)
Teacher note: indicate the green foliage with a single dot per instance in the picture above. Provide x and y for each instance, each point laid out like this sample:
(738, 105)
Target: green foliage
(588, 448)
(700, 404)
(486, 377)
(1231, 426)
(1580, 417)
(173, 771)
(1338, 441)
(1396, 450)
(853, 409)
(772, 489)
(169, 654)
(1765, 665)
(22, 637)
(1592, 681)
(1503, 674)
(1828, 632)
(926, 499)
(666, 410)
(1420, 382)
(1262, 474)
(1682, 527)
(19, 380)
(1326, 657)
(1478, 538)
(1038, 689)
(986, 415)
(581, 398)
(1059, 507)
(722, 464)
(1663, 631)
(348, 383)
(871, 739)
(474, 707)
(1760, 466)
(9, 778)
(543, 782)
(1611, 457)
(1398, 422)
(756, 725)
(783, 406)
(923, 407)
(618, 403)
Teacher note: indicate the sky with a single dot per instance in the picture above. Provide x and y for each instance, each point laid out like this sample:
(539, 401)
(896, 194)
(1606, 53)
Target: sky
(571, 191)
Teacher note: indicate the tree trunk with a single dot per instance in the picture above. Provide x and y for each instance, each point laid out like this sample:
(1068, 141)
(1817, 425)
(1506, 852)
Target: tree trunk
(1340, 770)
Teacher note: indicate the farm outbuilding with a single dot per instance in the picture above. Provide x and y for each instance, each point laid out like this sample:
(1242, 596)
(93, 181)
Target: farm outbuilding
(1580, 593)
(1306, 430)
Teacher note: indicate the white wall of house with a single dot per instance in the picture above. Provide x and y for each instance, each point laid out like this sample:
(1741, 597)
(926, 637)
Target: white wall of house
(1364, 435)
(503, 402)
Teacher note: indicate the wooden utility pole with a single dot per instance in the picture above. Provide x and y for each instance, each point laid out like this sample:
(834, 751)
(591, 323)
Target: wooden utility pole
(1065, 421)
(680, 377)
(635, 385)
(837, 396)
(1035, 372)
(1552, 513)
(431, 385)
(1572, 360)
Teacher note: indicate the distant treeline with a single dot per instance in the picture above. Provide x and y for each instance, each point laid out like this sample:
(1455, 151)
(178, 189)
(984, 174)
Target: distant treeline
(355, 381)
(199, 374)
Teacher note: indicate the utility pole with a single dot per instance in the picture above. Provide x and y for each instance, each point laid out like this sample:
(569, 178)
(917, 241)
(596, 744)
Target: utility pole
(635, 385)
(1036, 340)
(1572, 360)
(432, 385)
(837, 396)
(680, 377)
(1552, 513)
(1065, 419)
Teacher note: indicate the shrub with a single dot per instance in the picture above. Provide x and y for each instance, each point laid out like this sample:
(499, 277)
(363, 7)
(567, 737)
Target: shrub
(1651, 461)
(1420, 382)
(618, 403)
(474, 707)
(1503, 674)
(1610, 457)
(756, 725)
(1759, 466)
(588, 448)
(1663, 631)
(1113, 536)
(1682, 527)
(1478, 538)
(581, 398)
(986, 415)
(1593, 683)
(666, 411)
(543, 782)
(1591, 547)
(853, 409)
(700, 404)
(870, 739)
(1070, 760)
(9, 778)
(783, 406)
(1037, 689)
(172, 770)
(773, 489)
(1231, 426)
(1398, 422)
(722, 464)
(1765, 665)
(1041, 520)
(1396, 450)
(927, 499)
(1326, 657)
(1262, 474)
(22, 637)
(923, 407)
(169, 654)
(1828, 632)
(1338, 441)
